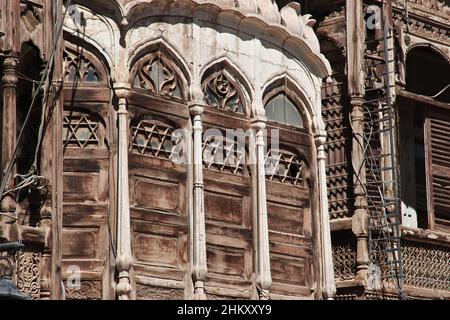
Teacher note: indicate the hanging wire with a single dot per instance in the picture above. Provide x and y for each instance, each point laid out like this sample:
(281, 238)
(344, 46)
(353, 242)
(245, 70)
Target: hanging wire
(31, 177)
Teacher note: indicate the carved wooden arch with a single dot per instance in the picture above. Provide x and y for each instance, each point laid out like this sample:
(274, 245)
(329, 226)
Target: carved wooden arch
(430, 46)
(160, 60)
(225, 87)
(336, 43)
(84, 58)
(285, 85)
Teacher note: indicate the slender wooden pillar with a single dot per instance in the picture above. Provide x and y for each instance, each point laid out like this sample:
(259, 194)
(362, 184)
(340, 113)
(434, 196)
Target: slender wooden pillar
(124, 259)
(263, 275)
(328, 284)
(355, 61)
(199, 265)
(9, 82)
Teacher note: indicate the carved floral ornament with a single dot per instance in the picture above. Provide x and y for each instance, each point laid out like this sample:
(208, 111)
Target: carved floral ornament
(222, 92)
(156, 74)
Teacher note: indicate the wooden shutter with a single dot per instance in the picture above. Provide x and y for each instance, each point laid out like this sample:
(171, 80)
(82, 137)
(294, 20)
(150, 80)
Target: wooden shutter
(437, 135)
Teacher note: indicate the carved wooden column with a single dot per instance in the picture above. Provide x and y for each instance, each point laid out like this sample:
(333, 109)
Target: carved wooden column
(360, 217)
(124, 258)
(9, 82)
(199, 265)
(355, 60)
(328, 284)
(263, 275)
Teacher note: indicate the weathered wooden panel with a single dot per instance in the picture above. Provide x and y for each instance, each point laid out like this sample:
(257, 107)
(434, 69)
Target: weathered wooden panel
(288, 270)
(86, 191)
(80, 186)
(285, 218)
(224, 207)
(157, 194)
(227, 261)
(158, 250)
(80, 243)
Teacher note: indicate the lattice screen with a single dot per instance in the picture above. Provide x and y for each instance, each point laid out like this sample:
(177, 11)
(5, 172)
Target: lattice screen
(78, 68)
(80, 130)
(285, 167)
(426, 265)
(224, 155)
(344, 255)
(155, 139)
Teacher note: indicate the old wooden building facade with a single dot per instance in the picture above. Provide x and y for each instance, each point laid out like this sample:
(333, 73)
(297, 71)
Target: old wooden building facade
(249, 149)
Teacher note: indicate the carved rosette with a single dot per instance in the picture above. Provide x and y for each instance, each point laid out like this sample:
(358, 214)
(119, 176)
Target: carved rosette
(28, 272)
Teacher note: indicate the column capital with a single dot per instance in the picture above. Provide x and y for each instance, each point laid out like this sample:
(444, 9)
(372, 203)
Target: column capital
(320, 137)
(258, 122)
(356, 100)
(196, 109)
(122, 90)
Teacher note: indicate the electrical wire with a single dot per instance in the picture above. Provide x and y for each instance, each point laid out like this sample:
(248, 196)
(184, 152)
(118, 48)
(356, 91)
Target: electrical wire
(44, 79)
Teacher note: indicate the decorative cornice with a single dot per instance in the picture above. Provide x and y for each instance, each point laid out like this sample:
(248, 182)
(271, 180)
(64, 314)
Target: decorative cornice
(265, 20)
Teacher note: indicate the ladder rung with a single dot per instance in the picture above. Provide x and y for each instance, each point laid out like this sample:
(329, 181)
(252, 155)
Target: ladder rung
(375, 100)
(391, 199)
(381, 51)
(373, 89)
(389, 224)
(378, 40)
(385, 239)
(377, 64)
(379, 110)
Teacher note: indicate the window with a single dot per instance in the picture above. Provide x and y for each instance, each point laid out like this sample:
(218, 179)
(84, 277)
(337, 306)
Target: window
(284, 166)
(223, 155)
(424, 141)
(282, 110)
(78, 68)
(155, 138)
(80, 130)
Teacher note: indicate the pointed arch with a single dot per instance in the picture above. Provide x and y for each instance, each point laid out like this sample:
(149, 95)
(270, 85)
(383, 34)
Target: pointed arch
(83, 63)
(283, 86)
(158, 68)
(225, 86)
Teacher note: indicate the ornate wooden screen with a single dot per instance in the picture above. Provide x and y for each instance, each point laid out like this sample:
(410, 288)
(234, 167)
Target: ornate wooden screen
(437, 150)
(158, 177)
(289, 211)
(228, 191)
(87, 185)
(335, 113)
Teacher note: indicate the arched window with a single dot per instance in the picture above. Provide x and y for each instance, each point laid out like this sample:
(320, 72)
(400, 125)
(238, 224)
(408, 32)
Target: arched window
(281, 109)
(80, 67)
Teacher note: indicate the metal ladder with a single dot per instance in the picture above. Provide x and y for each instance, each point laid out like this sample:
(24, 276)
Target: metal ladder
(385, 258)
